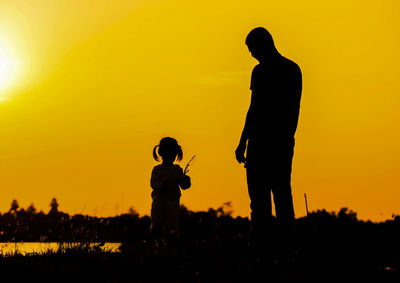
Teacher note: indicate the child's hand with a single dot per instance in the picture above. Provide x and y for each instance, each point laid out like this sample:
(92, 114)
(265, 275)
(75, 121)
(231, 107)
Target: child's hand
(185, 182)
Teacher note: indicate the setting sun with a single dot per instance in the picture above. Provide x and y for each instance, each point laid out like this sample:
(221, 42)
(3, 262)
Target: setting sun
(104, 105)
(8, 70)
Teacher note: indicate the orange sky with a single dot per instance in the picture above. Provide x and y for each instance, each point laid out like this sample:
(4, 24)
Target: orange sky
(93, 85)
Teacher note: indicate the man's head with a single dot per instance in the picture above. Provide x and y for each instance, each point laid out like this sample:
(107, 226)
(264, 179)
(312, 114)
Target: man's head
(260, 44)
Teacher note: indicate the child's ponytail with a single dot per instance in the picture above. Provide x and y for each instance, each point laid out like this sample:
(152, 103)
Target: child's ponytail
(179, 152)
(155, 155)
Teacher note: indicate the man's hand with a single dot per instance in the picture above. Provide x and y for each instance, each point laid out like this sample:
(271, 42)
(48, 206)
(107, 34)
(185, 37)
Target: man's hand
(240, 153)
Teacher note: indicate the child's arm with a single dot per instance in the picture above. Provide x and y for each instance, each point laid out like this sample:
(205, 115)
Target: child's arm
(155, 181)
(185, 181)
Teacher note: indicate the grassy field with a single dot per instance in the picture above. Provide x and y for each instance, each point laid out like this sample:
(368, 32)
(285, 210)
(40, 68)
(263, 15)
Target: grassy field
(326, 247)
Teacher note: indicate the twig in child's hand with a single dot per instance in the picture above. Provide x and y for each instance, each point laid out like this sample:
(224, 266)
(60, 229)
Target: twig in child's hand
(187, 165)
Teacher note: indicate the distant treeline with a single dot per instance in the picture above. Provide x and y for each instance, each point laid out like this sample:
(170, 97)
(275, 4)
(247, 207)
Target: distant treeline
(30, 225)
(212, 226)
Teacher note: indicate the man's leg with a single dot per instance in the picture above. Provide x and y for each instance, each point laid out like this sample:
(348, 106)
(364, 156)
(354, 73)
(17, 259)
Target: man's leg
(281, 185)
(282, 191)
(283, 204)
(260, 204)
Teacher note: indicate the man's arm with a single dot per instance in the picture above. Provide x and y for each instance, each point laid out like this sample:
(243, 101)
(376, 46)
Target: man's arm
(240, 150)
(297, 88)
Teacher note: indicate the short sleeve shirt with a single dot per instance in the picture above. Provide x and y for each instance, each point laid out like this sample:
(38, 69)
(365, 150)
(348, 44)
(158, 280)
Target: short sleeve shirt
(273, 98)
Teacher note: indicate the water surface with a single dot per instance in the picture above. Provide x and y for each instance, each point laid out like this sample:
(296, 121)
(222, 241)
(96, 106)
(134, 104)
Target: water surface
(24, 248)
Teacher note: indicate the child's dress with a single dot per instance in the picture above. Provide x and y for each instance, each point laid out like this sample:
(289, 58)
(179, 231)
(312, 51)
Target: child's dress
(166, 181)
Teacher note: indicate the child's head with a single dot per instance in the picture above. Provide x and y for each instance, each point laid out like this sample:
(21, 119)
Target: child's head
(169, 150)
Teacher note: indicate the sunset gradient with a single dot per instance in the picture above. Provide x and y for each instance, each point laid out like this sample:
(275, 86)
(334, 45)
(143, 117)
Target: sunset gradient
(99, 83)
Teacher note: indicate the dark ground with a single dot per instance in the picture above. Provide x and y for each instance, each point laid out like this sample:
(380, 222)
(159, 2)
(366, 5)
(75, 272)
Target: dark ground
(327, 247)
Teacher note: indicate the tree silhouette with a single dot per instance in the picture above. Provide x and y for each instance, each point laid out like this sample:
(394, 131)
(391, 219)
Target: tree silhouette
(132, 211)
(347, 214)
(31, 209)
(54, 206)
(14, 206)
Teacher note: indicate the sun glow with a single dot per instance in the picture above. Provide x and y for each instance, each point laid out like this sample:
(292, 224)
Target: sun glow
(8, 70)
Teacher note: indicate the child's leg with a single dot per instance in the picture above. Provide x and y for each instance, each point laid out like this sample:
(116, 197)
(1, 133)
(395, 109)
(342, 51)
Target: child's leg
(157, 219)
(175, 217)
(173, 222)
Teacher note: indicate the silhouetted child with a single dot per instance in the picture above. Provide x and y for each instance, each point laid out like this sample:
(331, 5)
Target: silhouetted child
(167, 180)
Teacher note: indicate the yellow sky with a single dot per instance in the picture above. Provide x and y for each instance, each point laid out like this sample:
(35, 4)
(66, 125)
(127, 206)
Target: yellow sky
(99, 83)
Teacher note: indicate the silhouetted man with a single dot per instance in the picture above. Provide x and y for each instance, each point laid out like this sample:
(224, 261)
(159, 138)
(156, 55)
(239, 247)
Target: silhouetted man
(269, 131)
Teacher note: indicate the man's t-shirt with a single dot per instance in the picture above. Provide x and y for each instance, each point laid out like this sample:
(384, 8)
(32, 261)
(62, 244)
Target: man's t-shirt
(276, 91)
